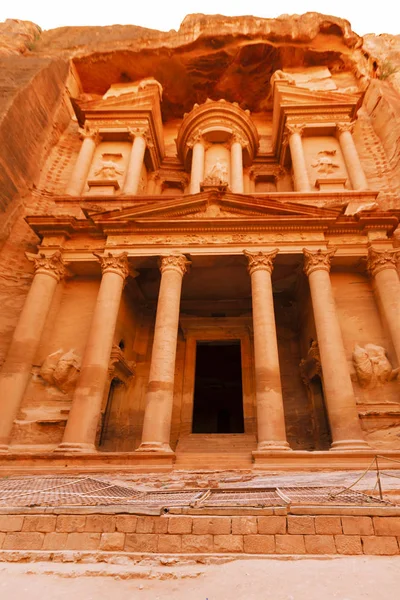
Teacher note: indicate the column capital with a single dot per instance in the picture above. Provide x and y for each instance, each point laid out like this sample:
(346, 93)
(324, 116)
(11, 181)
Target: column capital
(292, 128)
(174, 262)
(237, 137)
(91, 134)
(318, 260)
(197, 138)
(113, 263)
(52, 265)
(344, 127)
(378, 260)
(141, 131)
(260, 261)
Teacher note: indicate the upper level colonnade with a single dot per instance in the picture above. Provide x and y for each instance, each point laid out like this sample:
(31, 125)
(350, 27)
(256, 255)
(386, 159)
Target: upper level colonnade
(217, 144)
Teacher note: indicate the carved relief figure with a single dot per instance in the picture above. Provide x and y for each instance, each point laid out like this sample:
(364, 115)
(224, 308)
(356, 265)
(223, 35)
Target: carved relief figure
(218, 174)
(311, 366)
(372, 366)
(109, 168)
(324, 162)
(61, 369)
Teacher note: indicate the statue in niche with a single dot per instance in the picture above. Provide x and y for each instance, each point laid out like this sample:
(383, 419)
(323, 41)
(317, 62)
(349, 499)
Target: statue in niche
(311, 366)
(218, 174)
(372, 366)
(324, 162)
(109, 168)
(61, 370)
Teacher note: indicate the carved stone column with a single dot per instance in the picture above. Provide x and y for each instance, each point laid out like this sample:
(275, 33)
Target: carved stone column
(197, 172)
(81, 428)
(270, 413)
(237, 144)
(294, 133)
(338, 388)
(351, 158)
(83, 163)
(16, 370)
(135, 165)
(160, 391)
(382, 266)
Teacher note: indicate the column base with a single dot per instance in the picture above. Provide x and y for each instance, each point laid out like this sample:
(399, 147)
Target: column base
(350, 445)
(154, 447)
(265, 446)
(76, 447)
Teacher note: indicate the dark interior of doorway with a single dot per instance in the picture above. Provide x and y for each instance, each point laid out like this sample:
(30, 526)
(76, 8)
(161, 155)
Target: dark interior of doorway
(218, 396)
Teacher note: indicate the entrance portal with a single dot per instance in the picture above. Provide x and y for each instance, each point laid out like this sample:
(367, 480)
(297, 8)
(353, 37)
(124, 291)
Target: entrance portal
(218, 396)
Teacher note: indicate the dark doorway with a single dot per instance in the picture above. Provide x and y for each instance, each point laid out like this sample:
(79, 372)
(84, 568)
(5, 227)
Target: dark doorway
(218, 397)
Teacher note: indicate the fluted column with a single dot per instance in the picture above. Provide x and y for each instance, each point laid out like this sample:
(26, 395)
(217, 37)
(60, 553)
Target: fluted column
(16, 370)
(81, 428)
(338, 388)
(294, 133)
(197, 171)
(382, 266)
(84, 161)
(351, 158)
(270, 414)
(135, 165)
(160, 390)
(237, 185)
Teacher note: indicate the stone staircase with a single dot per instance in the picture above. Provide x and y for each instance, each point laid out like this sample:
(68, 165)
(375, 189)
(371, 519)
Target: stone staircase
(210, 451)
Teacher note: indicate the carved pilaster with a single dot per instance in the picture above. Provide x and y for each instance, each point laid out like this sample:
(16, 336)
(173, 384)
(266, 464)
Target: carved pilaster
(49, 265)
(112, 263)
(260, 260)
(173, 262)
(317, 260)
(382, 259)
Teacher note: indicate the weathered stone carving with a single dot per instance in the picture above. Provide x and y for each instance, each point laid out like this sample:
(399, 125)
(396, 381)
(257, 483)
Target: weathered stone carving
(320, 259)
(217, 175)
(50, 265)
(372, 366)
(324, 162)
(311, 366)
(177, 262)
(382, 259)
(61, 370)
(260, 260)
(112, 263)
(119, 366)
(109, 168)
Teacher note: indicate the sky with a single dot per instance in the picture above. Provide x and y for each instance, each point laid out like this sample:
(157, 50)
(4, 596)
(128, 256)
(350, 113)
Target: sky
(365, 17)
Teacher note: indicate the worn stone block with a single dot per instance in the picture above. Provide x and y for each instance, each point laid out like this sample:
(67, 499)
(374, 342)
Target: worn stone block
(386, 526)
(320, 544)
(112, 542)
(70, 523)
(169, 543)
(180, 525)
(2, 538)
(55, 541)
(259, 544)
(244, 525)
(300, 525)
(23, 540)
(141, 542)
(348, 544)
(145, 524)
(197, 543)
(328, 525)
(83, 541)
(357, 526)
(380, 545)
(228, 543)
(290, 544)
(271, 525)
(11, 522)
(211, 525)
(100, 523)
(125, 523)
(41, 523)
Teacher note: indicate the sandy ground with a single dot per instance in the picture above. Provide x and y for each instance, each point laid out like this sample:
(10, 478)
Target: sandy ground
(352, 578)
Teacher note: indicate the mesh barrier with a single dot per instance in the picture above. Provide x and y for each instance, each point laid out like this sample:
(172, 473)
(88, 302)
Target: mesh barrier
(87, 491)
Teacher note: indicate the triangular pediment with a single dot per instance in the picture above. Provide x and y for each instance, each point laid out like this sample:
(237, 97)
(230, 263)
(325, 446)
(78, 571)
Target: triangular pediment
(292, 94)
(213, 207)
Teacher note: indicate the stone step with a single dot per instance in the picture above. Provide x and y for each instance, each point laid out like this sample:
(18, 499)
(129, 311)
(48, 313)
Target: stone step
(218, 443)
(212, 460)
